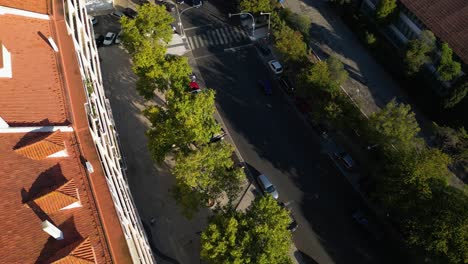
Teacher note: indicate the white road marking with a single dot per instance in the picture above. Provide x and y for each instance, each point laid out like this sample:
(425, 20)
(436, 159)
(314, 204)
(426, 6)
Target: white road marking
(215, 37)
(218, 32)
(190, 43)
(192, 28)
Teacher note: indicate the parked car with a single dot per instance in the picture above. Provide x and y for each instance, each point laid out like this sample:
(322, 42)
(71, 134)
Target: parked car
(264, 50)
(371, 227)
(275, 66)
(109, 39)
(267, 187)
(94, 20)
(293, 225)
(265, 85)
(99, 40)
(169, 7)
(117, 39)
(346, 160)
(286, 84)
(130, 12)
(197, 3)
(118, 14)
(219, 136)
(142, 2)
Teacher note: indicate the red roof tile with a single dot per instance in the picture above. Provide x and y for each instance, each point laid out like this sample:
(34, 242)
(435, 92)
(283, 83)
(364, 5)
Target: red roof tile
(448, 19)
(55, 200)
(35, 94)
(43, 148)
(80, 252)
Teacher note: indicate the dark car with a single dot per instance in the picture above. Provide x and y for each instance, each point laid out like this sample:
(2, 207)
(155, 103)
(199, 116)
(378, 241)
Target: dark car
(179, 2)
(130, 12)
(197, 3)
(346, 160)
(99, 40)
(293, 224)
(265, 85)
(142, 2)
(264, 50)
(169, 7)
(286, 84)
(367, 225)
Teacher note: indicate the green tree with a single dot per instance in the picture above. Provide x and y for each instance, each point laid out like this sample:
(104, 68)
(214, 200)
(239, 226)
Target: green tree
(395, 124)
(152, 25)
(418, 52)
(452, 141)
(186, 119)
(456, 95)
(440, 227)
(338, 74)
(384, 9)
(208, 170)
(370, 38)
(301, 23)
(290, 43)
(255, 6)
(448, 68)
(258, 236)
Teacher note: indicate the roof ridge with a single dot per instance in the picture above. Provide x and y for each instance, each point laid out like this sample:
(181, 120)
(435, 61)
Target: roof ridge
(78, 252)
(56, 199)
(43, 148)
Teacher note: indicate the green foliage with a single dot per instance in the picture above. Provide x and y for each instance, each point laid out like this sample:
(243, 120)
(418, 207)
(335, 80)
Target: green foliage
(440, 226)
(185, 119)
(146, 37)
(370, 38)
(384, 9)
(418, 52)
(448, 68)
(456, 95)
(258, 236)
(152, 25)
(338, 74)
(298, 22)
(452, 141)
(394, 125)
(290, 43)
(256, 6)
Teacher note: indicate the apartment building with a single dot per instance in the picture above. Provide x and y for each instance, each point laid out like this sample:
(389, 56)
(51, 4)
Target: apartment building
(64, 196)
(447, 19)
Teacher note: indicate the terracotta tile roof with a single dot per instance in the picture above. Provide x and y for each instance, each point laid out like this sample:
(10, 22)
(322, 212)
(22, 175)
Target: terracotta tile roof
(57, 199)
(80, 252)
(23, 180)
(33, 6)
(43, 148)
(35, 94)
(448, 19)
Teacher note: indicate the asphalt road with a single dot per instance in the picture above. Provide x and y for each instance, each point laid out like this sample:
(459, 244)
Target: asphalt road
(275, 141)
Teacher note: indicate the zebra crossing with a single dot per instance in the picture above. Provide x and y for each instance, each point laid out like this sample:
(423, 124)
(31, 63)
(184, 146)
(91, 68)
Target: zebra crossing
(218, 37)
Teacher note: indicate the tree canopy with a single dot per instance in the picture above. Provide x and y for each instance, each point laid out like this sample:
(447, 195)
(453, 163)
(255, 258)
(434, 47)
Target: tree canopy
(394, 125)
(384, 9)
(448, 69)
(418, 52)
(186, 118)
(290, 43)
(326, 76)
(256, 6)
(258, 236)
(208, 171)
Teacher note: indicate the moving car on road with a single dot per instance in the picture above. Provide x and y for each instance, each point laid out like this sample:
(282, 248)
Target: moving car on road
(267, 187)
(275, 66)
(346, 160)
(265, 85)
(109, 39)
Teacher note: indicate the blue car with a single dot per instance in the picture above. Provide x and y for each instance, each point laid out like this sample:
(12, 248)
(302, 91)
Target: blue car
(266, 86)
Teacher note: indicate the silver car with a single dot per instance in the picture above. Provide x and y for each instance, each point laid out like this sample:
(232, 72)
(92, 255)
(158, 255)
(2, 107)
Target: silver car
(267, 186)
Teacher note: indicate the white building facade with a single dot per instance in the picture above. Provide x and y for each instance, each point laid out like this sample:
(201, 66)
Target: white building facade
(102, 128)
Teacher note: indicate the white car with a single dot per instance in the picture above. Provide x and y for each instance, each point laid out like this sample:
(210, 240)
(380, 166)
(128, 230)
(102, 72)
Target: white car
(109, 38)
(117, 39)
(275, 66)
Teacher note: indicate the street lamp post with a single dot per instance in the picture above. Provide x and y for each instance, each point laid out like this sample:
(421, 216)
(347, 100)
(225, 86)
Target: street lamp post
(269, 16)
(180, 20)
(253, 20)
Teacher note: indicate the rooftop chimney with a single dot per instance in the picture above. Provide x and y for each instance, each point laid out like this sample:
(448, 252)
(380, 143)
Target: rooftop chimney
(52, 230)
